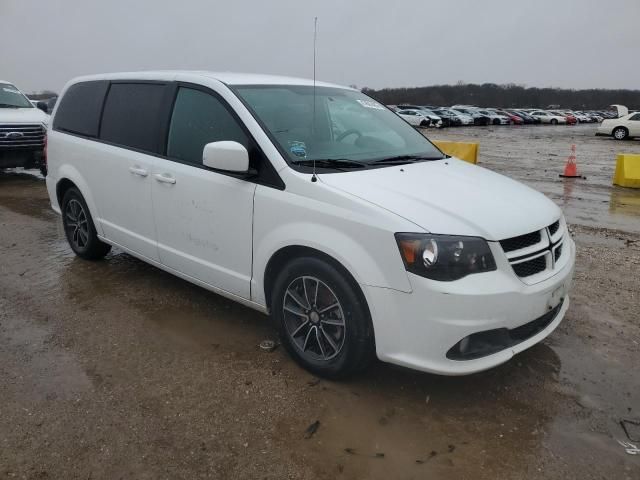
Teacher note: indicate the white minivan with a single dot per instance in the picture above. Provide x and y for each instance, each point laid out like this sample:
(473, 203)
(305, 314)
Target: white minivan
(316, 204)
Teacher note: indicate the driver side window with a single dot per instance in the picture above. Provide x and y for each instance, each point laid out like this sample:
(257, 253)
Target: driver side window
(199, 118)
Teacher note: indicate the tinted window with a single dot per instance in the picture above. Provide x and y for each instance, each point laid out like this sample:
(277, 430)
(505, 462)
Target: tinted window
(200, 118)
(79, 109)
(635, 117)
(132, 114)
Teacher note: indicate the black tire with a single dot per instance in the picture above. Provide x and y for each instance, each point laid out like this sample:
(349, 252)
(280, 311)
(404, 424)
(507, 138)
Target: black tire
(554, 121)
(620, 133)
(496, 121)
(79, 228)
(424, 123)
(331, 351)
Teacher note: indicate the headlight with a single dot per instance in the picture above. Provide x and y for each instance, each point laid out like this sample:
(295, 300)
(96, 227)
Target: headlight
(444, 257)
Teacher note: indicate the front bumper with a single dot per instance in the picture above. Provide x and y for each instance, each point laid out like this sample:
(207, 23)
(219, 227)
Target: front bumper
(417, 329)
(20, 157)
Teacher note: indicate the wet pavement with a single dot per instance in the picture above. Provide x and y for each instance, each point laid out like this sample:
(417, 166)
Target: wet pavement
(115, 369)
(537, 154)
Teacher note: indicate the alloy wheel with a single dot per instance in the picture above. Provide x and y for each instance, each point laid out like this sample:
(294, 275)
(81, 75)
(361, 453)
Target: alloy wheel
(76, 224)
(313, 318)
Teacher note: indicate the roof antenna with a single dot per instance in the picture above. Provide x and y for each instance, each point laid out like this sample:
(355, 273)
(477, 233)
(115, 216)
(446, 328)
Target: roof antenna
(313, 121)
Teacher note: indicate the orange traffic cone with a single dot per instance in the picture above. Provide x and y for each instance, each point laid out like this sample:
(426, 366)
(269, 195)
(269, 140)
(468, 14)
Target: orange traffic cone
(571, 168)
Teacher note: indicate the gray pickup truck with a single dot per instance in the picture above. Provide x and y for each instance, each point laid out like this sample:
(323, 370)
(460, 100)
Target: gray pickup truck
(22, 130)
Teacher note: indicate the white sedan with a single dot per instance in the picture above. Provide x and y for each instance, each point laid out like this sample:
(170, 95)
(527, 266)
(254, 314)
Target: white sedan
(418, 118)
(548, 117)
(621, 128)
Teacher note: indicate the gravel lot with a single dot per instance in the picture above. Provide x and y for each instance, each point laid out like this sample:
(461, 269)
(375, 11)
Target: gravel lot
(115, 369)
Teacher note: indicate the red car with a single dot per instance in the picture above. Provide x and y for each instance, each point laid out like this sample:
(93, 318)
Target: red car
(571, 120)
(515, 119)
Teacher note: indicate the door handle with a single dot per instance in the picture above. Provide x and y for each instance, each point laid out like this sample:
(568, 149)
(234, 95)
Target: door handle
(164, 178)
(138, 171)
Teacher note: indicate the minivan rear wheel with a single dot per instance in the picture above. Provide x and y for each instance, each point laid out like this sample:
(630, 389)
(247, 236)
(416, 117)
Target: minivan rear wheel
(321, 319)
(79, 228)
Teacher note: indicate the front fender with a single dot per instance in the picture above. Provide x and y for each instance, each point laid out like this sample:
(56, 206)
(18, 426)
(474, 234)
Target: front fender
(352, 237)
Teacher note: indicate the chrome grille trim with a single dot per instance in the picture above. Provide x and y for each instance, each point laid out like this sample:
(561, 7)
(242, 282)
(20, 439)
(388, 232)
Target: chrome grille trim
(25, 135)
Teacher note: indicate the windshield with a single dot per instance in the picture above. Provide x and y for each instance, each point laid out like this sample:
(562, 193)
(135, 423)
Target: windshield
(11, 97)
(347, 124)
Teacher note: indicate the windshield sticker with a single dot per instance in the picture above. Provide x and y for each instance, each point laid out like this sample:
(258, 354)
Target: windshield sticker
(299, 149)
(370, 104)
(10, 90)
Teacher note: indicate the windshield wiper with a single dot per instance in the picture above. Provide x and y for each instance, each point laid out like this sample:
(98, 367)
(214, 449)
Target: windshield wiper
(9, 105)
(399, 159)
(337, 163)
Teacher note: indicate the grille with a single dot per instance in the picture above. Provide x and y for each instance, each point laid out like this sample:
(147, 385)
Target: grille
(530, 267)
(523, 241)
(21, 135)
(558, 252)
(547, 246)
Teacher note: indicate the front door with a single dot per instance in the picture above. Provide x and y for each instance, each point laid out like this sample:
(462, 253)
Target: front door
(203, 217)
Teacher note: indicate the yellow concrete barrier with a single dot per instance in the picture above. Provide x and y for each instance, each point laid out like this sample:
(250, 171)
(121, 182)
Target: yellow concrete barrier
(627, 171)
(462, 150)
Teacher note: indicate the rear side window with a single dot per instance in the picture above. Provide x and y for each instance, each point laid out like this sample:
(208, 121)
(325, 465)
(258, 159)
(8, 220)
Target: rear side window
(132, 114)
(200, 118)
(79, 109)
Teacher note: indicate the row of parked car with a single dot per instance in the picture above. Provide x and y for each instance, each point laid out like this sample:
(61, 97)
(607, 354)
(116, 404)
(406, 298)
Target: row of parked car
(460, 115)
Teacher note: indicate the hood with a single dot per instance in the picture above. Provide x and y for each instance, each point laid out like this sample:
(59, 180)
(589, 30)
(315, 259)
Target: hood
(23, 115)
(451, 197)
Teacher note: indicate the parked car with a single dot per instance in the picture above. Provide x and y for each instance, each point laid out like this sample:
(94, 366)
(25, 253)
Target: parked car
(526, 118)
(582, 117)
(548, 117)
(621, 128)
(22, 130)
(513, 118)
(461, 118)
(420, 118)
(478, 118)
(496, 118)
(448, 116)
(238, 184)
(569, 118)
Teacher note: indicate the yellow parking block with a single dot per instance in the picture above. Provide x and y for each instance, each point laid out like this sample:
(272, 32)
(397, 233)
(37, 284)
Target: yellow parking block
(462, 150)
(627, 171)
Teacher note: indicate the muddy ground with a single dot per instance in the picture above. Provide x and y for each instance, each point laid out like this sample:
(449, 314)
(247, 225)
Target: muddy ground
(115, 369)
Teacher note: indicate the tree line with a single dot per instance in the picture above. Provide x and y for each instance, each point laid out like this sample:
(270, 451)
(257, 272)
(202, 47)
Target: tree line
(505, 96)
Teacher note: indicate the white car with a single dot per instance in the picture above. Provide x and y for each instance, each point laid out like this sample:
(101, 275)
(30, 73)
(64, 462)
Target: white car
(359, 242)
(495, 117)
(621, 128)
(420, 118)
(548, 117)
(22, 130)
(464, 118)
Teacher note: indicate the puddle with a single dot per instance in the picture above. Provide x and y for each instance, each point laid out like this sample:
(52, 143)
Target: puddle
(169, 370)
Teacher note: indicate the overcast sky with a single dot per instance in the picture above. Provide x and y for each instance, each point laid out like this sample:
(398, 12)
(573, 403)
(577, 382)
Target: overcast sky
(374, 43)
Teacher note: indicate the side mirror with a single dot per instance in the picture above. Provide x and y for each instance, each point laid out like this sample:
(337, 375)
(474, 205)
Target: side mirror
(227, 156)
(43, 106)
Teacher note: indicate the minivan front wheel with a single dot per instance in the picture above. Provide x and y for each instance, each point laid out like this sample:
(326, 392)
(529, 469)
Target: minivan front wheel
(79, 228)
(321, 319)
